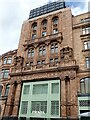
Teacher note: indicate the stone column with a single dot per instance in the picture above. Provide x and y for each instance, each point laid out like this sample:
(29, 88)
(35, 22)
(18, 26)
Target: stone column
(67, 89)
(63, 98)
(2, 108)
(74, 98)
(35, 55)
(17, 99)
(3, 89)
(60, 23)
(10, 99)
(48, 53)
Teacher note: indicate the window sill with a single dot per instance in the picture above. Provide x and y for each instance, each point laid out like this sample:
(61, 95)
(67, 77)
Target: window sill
(27, 68)
(4, 78)
(53, 64)
(84, 35)
(39, 66)
(83, 94)
(3, 97)
(85, 50)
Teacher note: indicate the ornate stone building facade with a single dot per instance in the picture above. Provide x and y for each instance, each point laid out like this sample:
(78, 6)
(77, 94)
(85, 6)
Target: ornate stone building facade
(49, 75)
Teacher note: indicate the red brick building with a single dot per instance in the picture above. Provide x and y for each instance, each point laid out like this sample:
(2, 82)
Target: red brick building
(48, 76)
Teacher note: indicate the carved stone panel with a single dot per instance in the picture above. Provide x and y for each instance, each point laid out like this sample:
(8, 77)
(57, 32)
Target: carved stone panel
(66, 53)
(18, 61)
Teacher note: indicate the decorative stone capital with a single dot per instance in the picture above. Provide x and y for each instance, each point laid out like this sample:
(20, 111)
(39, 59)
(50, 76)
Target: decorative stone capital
(68, 74)
(19, 81)
(12, 82)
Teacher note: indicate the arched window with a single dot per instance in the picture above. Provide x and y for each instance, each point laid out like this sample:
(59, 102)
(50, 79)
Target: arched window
(55, 25)
(85, 85)
(55, 20)
(34, 26)
(1, 89)
(44, 23)
(34, 30)
(7, 89)
(44, 27)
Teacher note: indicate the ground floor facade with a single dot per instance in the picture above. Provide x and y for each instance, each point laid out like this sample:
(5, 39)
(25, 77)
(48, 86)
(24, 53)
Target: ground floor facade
(45, 95)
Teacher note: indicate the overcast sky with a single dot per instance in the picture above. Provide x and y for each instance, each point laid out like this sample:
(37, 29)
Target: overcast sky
(14, 12)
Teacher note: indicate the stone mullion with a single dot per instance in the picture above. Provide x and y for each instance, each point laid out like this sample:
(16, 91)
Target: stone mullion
(17, 99)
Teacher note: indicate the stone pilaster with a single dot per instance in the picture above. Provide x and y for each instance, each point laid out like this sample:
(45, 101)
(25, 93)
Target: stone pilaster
(39, 29)
(3, 89)
(74, 99)
(49, 28)
(63, 98)
(17, 99)
(67, 89)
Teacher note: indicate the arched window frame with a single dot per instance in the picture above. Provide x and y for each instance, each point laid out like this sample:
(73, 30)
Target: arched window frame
(55, 20)
(44, 23)
(44, 28)
(34, 30)
(34, 26)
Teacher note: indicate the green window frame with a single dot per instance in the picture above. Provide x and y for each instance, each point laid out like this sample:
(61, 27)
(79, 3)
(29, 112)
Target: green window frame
(55, 88)
(24, 107)
(39, 107)
(54, 107)
(40, 89)
(26, 89)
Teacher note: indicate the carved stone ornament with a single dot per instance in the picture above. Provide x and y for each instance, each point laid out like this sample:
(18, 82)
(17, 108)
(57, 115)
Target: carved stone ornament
(18, 61)
(66, 53)
(68, 74)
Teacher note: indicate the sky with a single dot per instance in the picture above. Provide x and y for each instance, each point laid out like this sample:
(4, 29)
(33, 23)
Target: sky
(14, 12)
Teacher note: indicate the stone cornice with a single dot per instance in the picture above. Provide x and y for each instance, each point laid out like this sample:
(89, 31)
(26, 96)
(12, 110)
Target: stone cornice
(60, 69)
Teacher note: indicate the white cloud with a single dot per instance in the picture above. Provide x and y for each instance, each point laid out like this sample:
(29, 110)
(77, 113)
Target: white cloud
(12, 15)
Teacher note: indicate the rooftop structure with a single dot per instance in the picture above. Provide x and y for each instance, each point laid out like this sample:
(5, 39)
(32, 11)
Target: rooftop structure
(50, 7)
